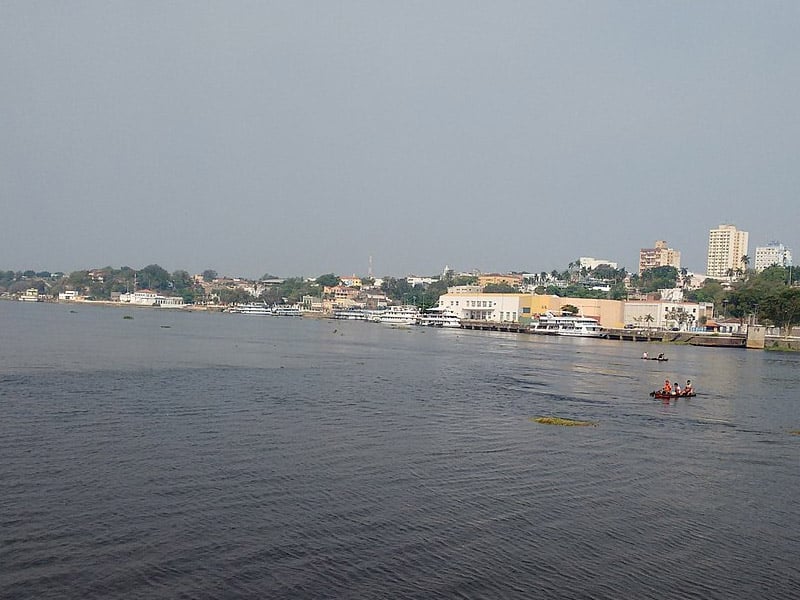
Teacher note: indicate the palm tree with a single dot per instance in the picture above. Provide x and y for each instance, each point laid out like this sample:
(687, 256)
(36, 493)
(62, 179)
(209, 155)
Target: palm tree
(745, 261)
(648, 318)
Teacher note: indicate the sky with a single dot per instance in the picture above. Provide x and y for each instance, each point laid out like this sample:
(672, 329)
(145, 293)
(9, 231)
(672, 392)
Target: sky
(392, 138)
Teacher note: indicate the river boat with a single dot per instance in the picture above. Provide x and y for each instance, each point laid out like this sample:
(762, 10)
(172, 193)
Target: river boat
(251, 308)
(669, 396)
(658, 358)
(398, 315)
(439, 317)
(568, 325)
(351, 314)
(287, 310)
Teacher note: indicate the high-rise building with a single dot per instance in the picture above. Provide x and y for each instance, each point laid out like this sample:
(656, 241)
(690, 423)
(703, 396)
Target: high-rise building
(660, 256)
(773, 253)
(726, 247)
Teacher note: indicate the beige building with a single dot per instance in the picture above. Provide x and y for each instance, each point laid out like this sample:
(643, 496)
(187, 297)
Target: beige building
(511, 279)
(608, 312)
(726, 247)
(659, 256)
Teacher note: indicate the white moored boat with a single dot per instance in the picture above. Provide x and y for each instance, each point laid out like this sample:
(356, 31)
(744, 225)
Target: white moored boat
(570, 325)
(398, 315)
(287, 310)
(251, 308)
(439, 317)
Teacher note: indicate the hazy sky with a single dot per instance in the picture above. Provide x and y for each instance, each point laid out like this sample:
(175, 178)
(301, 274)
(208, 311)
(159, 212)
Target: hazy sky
(300, 138)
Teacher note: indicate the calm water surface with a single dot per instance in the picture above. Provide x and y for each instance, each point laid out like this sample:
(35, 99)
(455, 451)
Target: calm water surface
(179, 455)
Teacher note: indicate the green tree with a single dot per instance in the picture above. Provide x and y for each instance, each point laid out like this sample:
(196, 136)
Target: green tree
(209, 275)
(657, 278)
(328, 280)
(155, 278)
(782, 307)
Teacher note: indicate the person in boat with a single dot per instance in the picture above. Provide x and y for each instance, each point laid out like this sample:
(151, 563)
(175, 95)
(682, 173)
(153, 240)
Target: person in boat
(688, 390)
(676, 389)
(644, 355)
(661, 356)
(667, 389)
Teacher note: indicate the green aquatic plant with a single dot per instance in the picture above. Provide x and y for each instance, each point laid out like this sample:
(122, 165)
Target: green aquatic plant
(563, 422)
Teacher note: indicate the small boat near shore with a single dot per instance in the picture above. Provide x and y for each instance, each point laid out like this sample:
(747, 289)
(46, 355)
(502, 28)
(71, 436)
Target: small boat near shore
(658, 358)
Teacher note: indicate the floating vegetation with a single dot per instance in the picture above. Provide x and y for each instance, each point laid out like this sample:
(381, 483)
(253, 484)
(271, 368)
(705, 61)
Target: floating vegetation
(563, 422)
(795, 432)
(127, 317)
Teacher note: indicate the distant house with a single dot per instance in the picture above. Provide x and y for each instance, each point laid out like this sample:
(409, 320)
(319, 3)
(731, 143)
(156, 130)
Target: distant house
(68, 296)
(728, 325)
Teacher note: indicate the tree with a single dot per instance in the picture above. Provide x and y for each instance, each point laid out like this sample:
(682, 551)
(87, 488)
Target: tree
(657, 278)
(570, 309)
(745, 260)
(155, 278)
(648, 318)
(782, 307)
(209, 275)
(328, 280)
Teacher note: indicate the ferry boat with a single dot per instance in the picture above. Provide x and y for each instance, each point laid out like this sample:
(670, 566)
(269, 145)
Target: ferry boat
(286, 310)
(351, 314)
(251, 308)
(439, 317)
(398, 315)
(570, 325)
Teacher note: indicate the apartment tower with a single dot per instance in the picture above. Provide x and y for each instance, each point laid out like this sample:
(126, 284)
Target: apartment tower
(726, 247)
(773, 253)
(660, 256)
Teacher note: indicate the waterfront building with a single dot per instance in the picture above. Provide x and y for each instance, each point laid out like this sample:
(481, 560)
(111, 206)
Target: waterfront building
(608, 312)
(470, 303)
(773, 253)
(661, 314)
(150, 298)
(726, 247)
(661, 255)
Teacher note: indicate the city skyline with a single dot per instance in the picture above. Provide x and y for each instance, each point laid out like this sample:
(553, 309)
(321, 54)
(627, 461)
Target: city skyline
(300, 140)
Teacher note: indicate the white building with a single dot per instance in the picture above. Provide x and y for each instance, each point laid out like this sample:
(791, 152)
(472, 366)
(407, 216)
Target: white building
(773, 253)
(593, 263)
(726, 247)
(659, 314)
(470, 304)
(150, 298)
(68, 296)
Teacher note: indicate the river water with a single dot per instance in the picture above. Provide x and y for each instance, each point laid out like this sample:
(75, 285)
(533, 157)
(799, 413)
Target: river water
(193, 455)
